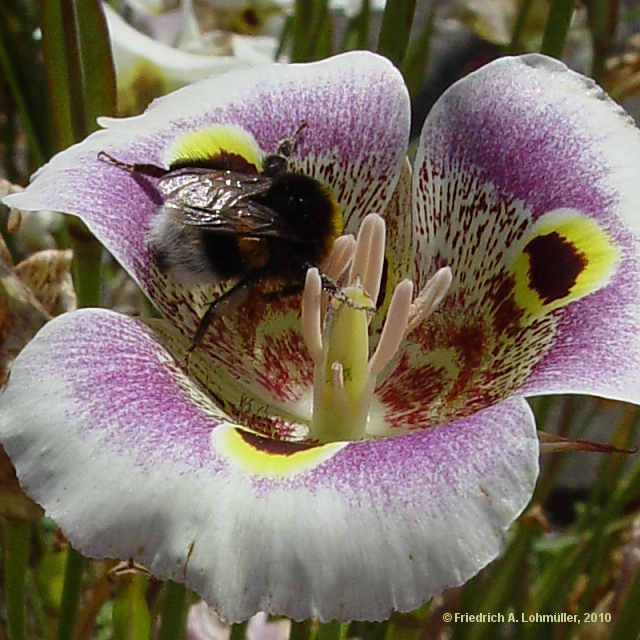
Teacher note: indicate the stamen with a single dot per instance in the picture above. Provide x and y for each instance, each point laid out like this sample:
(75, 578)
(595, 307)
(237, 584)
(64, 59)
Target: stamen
(311, 316)
(344, 375)
(368, 260)
(429, 298)
(394, 327)
(341, 254)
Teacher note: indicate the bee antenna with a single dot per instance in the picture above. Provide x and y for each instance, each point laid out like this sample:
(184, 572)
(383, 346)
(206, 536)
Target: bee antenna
(109, 159)
(302, 127)
(286, 146)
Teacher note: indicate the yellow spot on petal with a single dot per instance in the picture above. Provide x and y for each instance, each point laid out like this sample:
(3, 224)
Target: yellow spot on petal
(566, 256)
(257, 455)
(213, 142)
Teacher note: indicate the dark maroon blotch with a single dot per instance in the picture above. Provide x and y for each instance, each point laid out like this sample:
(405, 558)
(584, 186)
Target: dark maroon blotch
(276, 447)
(554, 266)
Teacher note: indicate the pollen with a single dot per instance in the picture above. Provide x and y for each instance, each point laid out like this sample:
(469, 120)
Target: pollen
(338, 339)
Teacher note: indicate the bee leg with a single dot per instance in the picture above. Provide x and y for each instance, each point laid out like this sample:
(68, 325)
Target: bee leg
(286, 291)
(331, 287)
(233, 296)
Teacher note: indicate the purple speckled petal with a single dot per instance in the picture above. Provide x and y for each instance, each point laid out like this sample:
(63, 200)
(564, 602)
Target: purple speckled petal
(519, 146)
(355, 104)
(357, 110)
(123, 453)
(399, 248)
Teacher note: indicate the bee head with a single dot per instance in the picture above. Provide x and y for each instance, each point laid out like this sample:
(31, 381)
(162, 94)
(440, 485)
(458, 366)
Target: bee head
(274, 165)
(277, 163)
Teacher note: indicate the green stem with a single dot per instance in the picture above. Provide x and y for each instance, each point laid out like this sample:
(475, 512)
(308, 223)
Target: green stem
(21, 103)
(321, 32)
(301, 630)
(371, 630)
(417, 57)
(357, 32)
(238, 631)
(396, 29)
(628, 617)
(557, 27)
(174, 612)
(70, 594)
(332, 631)
(303, 17)
(18, 535)
(71, 45)
(602, 26)
(521, 19)
(87, 263)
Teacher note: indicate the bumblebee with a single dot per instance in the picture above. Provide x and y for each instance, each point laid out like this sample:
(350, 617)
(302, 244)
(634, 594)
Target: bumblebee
(222, 218)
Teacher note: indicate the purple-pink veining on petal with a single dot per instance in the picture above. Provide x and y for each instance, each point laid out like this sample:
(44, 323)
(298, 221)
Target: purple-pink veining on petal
(515, 127)
(123, 382)
(441, 462)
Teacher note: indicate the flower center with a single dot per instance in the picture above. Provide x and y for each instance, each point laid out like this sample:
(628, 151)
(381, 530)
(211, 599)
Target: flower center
(344, 375)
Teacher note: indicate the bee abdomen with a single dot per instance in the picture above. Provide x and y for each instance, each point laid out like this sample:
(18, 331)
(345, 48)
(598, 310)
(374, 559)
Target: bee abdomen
(180, 251)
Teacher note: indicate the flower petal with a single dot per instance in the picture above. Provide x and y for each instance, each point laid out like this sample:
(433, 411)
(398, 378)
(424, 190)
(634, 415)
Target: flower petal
(355, 104)
(118, 449)
(399, 248)
(133, 50)
(356, 107)
(526, 186)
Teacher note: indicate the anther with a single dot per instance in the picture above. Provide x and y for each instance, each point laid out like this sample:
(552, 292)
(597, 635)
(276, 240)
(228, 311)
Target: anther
(342, 253)
(429, 298)
(394, 327)
(368, 259)
(311, 316)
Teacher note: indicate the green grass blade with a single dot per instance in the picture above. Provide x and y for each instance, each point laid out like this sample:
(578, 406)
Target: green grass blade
(131, 617)
(557, 27)
(332, 631)
(19, 98)
(16, 557)
(321, 31)
(417, 57)
(601, 14)
(238, 631)
(515, 46)
(62, 71)
(79, 66)
(628, 619)
(301, 630)
(96, 60)
(357, 31)
(174, 611)
(70, 594)
(396, 28)
(303, 17)
(370, 630)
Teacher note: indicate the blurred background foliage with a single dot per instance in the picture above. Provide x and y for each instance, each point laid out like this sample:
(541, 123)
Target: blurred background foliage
(576, 549)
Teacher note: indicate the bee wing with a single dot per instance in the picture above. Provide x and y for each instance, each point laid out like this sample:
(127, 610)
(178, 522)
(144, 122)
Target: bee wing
(221, 201)
(200, 187)
(244, 218)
